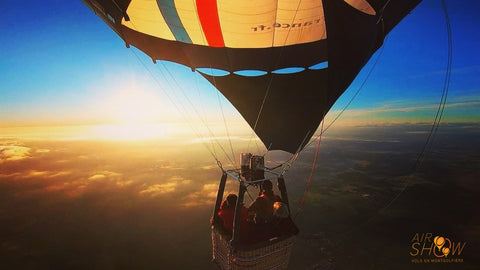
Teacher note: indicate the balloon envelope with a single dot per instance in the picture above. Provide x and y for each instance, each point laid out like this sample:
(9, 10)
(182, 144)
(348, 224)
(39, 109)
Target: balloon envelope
(334, 37)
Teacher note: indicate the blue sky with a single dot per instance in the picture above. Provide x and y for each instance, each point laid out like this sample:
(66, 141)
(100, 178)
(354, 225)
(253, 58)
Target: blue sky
(60, 64)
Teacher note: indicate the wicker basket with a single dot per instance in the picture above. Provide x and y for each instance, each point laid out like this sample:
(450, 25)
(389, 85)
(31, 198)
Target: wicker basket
(271, 254)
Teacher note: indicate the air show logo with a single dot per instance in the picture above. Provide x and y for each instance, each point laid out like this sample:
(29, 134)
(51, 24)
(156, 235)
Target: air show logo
(439, 249)
(439, 242)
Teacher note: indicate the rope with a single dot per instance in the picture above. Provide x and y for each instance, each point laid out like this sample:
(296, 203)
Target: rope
(441, 106)
(310, 178)
(429, 142)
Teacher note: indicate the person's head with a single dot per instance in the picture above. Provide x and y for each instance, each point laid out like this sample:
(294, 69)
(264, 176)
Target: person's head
(230, 201)
(267, 186)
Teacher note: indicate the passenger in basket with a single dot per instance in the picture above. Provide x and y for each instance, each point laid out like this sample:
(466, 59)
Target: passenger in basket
(261, 210)
(227, 213)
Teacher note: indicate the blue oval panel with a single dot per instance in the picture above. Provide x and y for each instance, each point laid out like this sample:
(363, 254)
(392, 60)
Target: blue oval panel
(320, 65)
(213, 71)
(288, 70)
(250, 73)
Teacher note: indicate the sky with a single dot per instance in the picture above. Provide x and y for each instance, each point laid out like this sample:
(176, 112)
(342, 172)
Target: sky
(61, 65)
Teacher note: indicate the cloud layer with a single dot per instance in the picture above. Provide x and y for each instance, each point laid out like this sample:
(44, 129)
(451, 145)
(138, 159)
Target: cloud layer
(144, 205)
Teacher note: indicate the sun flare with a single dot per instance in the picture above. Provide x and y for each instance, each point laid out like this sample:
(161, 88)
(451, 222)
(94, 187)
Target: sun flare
(133, 106)
(134, 113)
(130, 131)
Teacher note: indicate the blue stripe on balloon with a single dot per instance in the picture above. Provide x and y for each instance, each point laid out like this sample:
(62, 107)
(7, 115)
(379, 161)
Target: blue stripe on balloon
(170, 14)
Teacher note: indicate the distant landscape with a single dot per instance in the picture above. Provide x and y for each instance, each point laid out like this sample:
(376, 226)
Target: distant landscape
(99, 204)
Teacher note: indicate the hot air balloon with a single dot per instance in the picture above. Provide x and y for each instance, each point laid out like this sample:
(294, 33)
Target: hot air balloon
(306, 52)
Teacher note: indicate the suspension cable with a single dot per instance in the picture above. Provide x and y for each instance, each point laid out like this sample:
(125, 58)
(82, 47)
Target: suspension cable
(226, 129)
(195, 110)
(183, 112)
(212, 143)
(157, 82)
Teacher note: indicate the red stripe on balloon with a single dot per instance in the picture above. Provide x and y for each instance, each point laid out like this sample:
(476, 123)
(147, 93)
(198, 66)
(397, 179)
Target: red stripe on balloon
(208, 15)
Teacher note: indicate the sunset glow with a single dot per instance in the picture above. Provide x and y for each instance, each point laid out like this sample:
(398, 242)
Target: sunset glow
(132, 106)
(130, 131)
